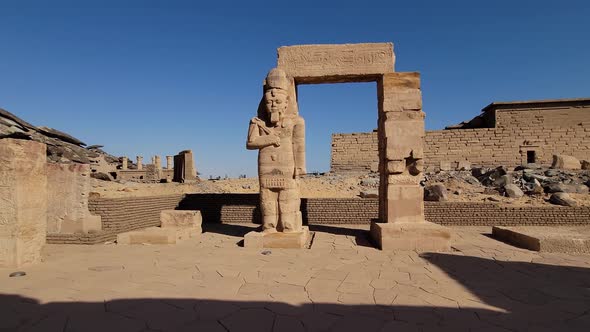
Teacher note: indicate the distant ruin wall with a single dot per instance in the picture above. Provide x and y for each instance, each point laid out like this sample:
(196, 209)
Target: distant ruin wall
(125, 214)
(544, 132)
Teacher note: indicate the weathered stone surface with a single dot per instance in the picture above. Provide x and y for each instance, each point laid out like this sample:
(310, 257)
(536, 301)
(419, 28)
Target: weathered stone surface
(68, 187)
(180, 218)
(565, 162)
(294, 240)
(158, 235)
(562, 199)
(419, 236)
(566, 188)
(336, 63)
(23, 201)
(562, 239)
(513, 191)
(278, 132)
(585, 164)
(371, 193)
(435, 193)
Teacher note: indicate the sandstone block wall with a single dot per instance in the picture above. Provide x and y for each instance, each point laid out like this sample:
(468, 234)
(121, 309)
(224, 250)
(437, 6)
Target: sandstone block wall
(68, 186)
(23, 201)
(542, 131)
(356, 152)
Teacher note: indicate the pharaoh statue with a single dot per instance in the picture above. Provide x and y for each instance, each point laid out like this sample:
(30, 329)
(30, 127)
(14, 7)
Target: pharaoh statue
(278, 132)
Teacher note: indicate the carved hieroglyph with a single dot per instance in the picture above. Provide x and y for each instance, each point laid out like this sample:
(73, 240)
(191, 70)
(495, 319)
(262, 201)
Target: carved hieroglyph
(278, 132)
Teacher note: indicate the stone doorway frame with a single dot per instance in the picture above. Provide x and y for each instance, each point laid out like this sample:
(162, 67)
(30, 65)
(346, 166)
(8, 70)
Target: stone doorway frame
(400, 131)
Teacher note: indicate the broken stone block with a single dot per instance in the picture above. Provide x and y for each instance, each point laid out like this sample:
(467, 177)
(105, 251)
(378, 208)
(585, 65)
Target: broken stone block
(562, 199)
(23, 201)
(463, 166)
(180, 218)
(371, 193)
(585, 164)
(435, 193)
(513, 191)
(565, 162)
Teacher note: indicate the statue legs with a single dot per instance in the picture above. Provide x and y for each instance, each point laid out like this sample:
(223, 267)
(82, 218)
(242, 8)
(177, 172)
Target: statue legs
(269, 207)
(280, 207)
(289, 203)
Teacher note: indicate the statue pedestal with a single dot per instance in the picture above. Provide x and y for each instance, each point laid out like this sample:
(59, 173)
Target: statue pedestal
(415, 236)
(295, 240)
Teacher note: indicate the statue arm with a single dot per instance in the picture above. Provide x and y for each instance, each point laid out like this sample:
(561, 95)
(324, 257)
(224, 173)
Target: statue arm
(257, 141)
(299, 147)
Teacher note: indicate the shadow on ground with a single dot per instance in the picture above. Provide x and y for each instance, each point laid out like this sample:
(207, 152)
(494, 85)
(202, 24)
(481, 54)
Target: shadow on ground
(506, 296)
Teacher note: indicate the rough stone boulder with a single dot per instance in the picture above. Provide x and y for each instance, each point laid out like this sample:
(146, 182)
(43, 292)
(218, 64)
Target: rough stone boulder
(435, 193)
(371, 193)
(566, 188)
(585, 164)
(562, 199)
(513, 191)
(562, 161)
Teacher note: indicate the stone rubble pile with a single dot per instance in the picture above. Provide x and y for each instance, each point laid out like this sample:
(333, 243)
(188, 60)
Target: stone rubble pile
(61, 147)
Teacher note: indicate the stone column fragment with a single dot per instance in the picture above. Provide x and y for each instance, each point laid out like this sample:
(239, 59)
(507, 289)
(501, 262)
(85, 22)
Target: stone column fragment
(169, 162)
(124, 163)
(139, 163)
(157, 162)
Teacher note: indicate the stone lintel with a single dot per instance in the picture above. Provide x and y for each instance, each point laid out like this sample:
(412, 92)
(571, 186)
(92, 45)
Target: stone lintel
(296, 240)
(331, 63)
(411, 236)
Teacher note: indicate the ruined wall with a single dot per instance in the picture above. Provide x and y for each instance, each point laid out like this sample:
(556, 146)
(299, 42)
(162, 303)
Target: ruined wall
(68, 186)
(544, 131)
(120, 215)
(125, 214)
(356, 152)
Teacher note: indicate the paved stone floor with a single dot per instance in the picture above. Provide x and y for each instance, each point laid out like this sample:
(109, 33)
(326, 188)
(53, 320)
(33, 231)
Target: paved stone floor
(340, 284)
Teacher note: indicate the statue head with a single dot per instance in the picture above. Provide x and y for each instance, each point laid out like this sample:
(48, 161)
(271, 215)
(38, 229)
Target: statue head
(276, 95)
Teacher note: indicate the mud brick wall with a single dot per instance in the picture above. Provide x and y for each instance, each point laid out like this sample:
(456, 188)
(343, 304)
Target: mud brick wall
(544, 131)
(489, 214)
(125, 214)
(120, 215)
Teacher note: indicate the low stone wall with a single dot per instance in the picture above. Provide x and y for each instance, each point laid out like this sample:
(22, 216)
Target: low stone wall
(125, 214)
(120, 215)
(489, 214)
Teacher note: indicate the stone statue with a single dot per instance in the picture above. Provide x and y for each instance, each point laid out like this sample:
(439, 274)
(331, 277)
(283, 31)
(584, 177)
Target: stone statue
(278, 132)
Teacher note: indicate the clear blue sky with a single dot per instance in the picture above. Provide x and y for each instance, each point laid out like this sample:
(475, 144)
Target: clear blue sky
(156, 77)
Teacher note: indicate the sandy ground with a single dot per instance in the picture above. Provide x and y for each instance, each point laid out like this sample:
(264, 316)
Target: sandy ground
(327, 186)
(340, 284)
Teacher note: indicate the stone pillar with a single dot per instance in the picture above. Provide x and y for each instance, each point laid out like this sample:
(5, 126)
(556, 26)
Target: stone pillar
(184, 167)
(124, 163)
(401, 139)
(139, 163)
(23, 201)
(169, 162)
(157, 162)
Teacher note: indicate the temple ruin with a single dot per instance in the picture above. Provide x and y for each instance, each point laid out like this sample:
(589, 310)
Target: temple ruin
(505, 133)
